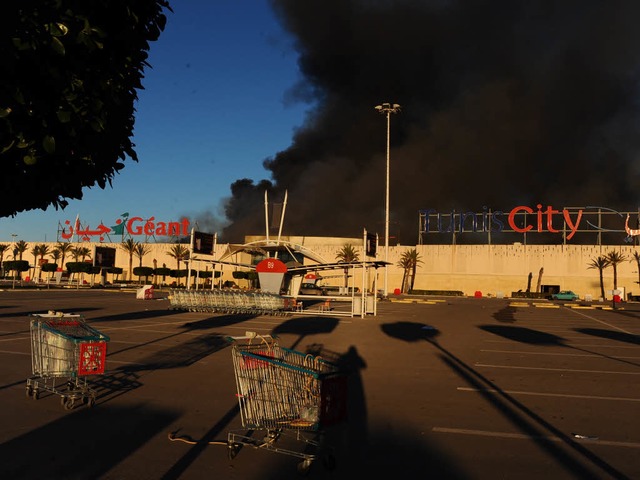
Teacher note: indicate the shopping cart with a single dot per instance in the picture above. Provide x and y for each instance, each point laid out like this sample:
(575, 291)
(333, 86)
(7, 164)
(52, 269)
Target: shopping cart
(283, 390)
(64, 351)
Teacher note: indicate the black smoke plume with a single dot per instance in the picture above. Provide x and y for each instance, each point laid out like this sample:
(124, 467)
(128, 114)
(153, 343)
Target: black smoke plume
(504, 103)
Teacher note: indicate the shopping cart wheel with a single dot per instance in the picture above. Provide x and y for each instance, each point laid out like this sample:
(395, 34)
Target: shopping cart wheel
(232, 450)
(272, 436)
(90, 401)
(304, 467)
(35, 394)
(67, 402)
(29, 391)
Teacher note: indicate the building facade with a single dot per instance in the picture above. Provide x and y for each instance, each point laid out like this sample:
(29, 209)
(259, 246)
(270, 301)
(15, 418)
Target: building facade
(492, 270)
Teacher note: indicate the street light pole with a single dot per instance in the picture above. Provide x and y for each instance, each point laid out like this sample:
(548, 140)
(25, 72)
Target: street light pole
(387, 109)
(13, 284)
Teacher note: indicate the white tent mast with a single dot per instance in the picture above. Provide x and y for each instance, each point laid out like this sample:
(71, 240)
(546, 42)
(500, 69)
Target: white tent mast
(266, 214)
(284, 207)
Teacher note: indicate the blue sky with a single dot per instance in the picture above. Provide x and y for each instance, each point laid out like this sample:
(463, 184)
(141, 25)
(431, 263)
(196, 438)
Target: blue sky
(214, 107)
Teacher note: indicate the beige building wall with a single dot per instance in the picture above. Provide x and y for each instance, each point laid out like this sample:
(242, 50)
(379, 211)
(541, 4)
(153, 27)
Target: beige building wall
(489, 269)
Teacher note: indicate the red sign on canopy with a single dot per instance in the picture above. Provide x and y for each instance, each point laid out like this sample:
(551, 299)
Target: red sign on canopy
(271, 265)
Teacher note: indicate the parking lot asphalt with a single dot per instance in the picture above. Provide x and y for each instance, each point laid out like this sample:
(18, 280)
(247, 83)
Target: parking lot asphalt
(466, 388)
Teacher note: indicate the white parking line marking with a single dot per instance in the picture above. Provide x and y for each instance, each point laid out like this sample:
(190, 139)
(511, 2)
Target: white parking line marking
(581, 345)
(154, 344)
(14, 339)
(555, 369)
(521, 436)
(520, 352)
(168, 324)
(602, 322)
(14, 353)
(542, 394)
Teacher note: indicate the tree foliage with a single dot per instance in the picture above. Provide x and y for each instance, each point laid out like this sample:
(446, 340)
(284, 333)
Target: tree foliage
(70, 74)
(179, 252)
(50, 267)
(16, 265)
(63, 248)
(145, 272)
(3, 248)
(615, 258)
(600, 263)
(636, 258)
(409, 263)
(19, 248)
(79, 267)
(347, 254)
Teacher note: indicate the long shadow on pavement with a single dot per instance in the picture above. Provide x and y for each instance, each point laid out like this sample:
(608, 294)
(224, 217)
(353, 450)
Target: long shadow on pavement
(84, 444)
(126, 378)
(535, 337)
(523, 418)
(611, 335)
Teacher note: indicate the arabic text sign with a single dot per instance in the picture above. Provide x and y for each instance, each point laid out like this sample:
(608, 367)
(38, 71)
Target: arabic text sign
(132, 226)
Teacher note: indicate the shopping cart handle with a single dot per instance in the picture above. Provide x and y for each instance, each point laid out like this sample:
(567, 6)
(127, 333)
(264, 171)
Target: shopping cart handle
(250, 336)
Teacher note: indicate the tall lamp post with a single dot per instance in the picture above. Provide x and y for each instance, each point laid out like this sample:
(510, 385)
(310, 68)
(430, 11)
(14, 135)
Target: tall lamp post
(13, 284)
(387, 109)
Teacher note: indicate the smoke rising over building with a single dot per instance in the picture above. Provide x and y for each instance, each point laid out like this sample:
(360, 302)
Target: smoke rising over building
(504, 103)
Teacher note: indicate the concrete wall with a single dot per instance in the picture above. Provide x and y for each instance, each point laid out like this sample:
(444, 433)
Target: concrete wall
(498, 268)
(469, 268)
(505, 268)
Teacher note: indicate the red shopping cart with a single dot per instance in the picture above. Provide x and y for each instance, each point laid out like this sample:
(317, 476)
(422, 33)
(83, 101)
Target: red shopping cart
(282, 390)
(64, 352)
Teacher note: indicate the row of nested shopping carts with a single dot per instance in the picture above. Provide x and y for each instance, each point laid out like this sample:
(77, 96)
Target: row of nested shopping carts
(228, 301)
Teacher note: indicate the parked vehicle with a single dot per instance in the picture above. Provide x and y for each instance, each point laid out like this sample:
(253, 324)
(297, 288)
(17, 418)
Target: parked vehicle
(312, 289)
(565, 295)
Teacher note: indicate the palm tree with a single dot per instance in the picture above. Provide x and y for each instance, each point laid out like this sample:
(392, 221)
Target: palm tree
(3, 248)
(405, 264)
(347, 254)
(409, 262)
(63, 248)
(540, 272)
(615, 258)
(75, 253)
(39, 250)
(179, 252)
(35, 251)
(20, 248)
(55, 254)
(636, 257)
(79, 254)
(600, 263)
(416, 260)
(82, 253)
(129, 246)
(44, 250)
(140, 250)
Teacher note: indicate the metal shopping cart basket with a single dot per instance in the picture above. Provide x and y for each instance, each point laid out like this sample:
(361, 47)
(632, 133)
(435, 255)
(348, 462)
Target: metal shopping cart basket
(64, 351)
(286, 394)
